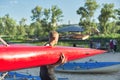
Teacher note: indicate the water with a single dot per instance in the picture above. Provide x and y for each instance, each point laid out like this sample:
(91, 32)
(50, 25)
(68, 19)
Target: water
(79, 76)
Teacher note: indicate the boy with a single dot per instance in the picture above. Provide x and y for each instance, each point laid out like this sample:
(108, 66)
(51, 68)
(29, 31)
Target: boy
(47, 71)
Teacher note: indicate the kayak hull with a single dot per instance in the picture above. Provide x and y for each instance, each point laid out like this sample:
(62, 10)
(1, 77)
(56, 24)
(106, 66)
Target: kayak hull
(16, 57)
(89, 67)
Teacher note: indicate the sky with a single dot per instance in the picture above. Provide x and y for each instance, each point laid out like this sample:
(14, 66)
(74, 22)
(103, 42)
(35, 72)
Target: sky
(18, 9)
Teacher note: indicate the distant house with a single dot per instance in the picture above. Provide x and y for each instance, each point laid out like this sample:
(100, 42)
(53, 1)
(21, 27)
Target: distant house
(74, 32)
(71, 28)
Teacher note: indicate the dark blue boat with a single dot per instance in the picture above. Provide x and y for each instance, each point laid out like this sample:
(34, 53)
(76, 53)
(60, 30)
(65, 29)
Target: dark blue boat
(19, 76)
(89, 67)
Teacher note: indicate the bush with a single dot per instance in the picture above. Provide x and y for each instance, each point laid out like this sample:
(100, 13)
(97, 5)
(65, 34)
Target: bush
(106, 38)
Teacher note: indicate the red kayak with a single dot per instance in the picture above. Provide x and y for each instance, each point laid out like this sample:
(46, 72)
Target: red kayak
(15, 57)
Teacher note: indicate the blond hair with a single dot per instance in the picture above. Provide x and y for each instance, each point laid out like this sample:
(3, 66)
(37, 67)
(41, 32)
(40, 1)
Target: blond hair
(53, 34)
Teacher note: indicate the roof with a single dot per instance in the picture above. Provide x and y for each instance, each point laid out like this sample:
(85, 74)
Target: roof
(71, 28)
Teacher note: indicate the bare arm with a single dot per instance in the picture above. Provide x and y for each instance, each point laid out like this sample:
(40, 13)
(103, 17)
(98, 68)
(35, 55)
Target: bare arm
(3, 42)
(61, 61)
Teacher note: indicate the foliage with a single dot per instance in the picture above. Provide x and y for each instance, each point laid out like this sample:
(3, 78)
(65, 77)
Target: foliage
(8, 26)
(103, 38)
(21, 29)
(118, 19)
(86, 13)
(46, 20)
(108, 36)
(37, 13)
(107, 19)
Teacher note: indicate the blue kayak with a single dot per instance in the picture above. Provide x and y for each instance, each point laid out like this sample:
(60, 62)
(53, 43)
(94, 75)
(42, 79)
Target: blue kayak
(19, 76)
(89, 67)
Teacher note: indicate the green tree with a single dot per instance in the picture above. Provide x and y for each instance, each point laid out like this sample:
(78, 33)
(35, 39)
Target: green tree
(36, 27)
(30, 30)
(9, 26)
(106, 18)
(91, 6)
(37, 13)
(86, 15)
(1, 26)
(51, 18)
(118, 16)
(56, 16)
(46, 19)
(118, 20)
(35, 30)
(21, 29)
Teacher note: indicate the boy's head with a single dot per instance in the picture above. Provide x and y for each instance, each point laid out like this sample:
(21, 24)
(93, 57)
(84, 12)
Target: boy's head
(53, 37)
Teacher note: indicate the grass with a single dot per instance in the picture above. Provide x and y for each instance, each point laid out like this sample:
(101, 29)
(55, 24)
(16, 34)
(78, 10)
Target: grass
(80, 43)
(60, 42)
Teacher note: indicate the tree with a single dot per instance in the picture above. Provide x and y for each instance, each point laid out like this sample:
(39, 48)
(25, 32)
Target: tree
(37, 13)
(35, 30)
(56, 15)
(45, 19)
(36, 27)
(118, 15)
(21, 29)
(107, 17)
(30, 30)
(9, 26)
(51, 18)
(86, 13)
(91, 6)
(82, 12)
(118, 20)
(1, 26)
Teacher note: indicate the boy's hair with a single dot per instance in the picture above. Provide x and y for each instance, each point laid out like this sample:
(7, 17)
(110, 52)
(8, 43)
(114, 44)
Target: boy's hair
(53, 34)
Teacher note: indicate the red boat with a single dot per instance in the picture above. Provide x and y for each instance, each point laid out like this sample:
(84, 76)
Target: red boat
(15, 57)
